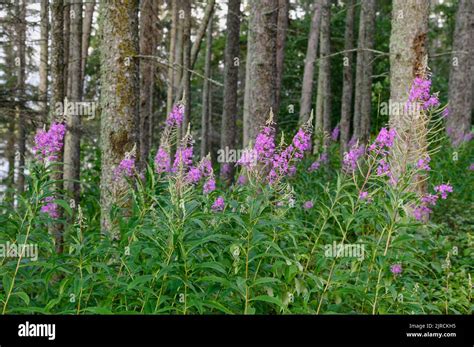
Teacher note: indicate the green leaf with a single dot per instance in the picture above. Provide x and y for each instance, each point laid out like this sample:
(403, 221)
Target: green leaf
(269, 299)
(24, 297)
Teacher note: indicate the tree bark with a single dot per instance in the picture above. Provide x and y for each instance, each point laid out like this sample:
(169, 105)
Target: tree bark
(461, 78)
(57, 98)
(208, 11)
(43, 67)
(186, 63)
(282, 28)
(119, 99)
(66, 33)
(261, 60)
(311, 53)
(72, 141)
(171, 73)
(347, 79)
(231, 80)
(363, 84)
(366, 98)
(323, 100)
(407, 60)
(86, 34)
(20, 29)
(147, 73)
(206, 100)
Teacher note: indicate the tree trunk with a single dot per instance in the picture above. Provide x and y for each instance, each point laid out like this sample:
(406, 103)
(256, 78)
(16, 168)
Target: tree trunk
(20, 29)
(171, 72)
(72, 141)
(186, 63)
(86, 34)
(66, 33)
(407, 61)
(311, 53)
(57, 97)
(363, 84)
(231, 80)
(366, 98)
(206, 100)
(197, 43)
(261, 59)
(119, 99)
(461, 78)
(323, 100)
(347, 79)
(43, 67)
(282, 27)
(147, 73)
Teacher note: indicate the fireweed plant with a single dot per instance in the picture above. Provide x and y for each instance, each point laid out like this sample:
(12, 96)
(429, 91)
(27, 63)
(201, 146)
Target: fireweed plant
(295, 233)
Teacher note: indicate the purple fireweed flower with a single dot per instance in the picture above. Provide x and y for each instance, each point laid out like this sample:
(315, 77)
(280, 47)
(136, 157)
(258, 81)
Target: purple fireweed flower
(314, 166)
(363, 195)
(125, 168)
(420, 92)
(308, 204)
(443, 189)
(302, 142)
(205, 166)
(265, 144)
(193, 175)
(383, 168)
(423, 163)
(471, 167)
(49, 143)
(468, 136)
(429, 199)
(209, 186)
(175, 118)
(226, 169)
(396, 269)
(248, 158)
(352, 157)
(183, 158)
(242, 180)
(218, 204)
(422, 212)
(50, 208)
(335, 133)
(162, 161)
(323, 159)
(383, 141)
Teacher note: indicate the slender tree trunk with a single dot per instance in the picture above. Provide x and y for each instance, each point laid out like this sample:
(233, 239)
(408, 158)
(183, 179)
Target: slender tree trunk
(57, 98)
(407, 61)
(119, 99)
(261, 58)
(186, 63)
(208, 11)
(231, 80)
(43, 67)
(311, 53)
(66, 33)
(171, 73)
(205, 120)
(347, 79)
(72, 141)
(20, 29)
(10, 156)
(366, 98)
(461, 78)
(282, 28)
(323, 100)
(86, 34)
(363, 84)
(147, 73)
